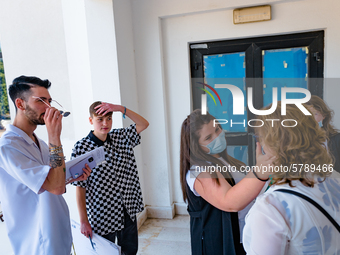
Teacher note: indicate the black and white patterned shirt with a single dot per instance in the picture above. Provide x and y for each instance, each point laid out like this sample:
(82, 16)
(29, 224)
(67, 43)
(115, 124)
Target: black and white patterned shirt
(114, 183)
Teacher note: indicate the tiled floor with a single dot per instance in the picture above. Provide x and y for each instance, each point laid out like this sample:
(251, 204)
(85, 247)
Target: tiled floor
(156, 237)
(160, 236)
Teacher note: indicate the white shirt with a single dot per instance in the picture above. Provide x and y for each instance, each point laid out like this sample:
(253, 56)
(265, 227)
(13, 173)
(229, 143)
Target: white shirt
(284, 224)
(238, 176)
(37, 221)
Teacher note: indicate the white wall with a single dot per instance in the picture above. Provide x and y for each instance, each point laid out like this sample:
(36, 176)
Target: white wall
(162, 31)
(33, 43)
(65, 42)
(91, 58)
(127, 72)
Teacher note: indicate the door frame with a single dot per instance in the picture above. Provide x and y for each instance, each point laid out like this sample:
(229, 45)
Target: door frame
(253, 48)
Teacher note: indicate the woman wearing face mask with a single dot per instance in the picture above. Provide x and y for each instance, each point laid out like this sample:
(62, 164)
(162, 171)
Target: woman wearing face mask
(324, 116)
(213, 188)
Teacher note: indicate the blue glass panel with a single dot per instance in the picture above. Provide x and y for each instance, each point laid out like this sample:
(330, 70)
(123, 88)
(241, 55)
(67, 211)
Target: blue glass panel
(284, 68)
(239, 152)
(226, 69)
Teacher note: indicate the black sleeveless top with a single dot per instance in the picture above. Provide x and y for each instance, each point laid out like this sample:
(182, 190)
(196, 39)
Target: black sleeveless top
(213, 232)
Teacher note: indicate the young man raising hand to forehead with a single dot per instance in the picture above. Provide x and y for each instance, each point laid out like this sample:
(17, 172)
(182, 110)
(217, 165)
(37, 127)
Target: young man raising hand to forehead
(109, 200)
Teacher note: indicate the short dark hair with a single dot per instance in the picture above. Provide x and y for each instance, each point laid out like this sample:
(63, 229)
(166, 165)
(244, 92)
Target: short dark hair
(92, 111)
(22, 84)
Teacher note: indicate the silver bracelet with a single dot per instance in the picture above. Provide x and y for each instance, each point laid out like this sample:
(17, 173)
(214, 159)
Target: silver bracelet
(56, 156)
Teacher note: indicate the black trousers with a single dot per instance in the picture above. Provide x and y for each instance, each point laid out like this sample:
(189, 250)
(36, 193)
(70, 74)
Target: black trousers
(127, 237)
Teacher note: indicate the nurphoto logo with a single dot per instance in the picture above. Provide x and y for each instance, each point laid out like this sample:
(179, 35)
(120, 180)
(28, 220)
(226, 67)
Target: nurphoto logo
(238, 104)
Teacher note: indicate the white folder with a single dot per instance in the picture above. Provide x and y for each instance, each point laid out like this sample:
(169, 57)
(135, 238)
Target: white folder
(83, 246)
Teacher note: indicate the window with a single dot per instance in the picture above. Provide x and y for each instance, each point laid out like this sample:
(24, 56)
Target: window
(260, 63)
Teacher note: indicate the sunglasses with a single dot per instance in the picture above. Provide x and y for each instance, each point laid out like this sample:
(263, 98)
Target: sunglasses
(64, 113)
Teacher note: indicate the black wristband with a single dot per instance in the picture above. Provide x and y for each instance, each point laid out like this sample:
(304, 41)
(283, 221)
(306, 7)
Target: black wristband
(259, 178)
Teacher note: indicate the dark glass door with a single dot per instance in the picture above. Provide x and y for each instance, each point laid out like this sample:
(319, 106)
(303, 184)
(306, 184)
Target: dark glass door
(259, 63)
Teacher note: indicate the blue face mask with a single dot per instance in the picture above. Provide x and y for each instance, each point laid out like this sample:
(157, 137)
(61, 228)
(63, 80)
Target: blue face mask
(218, 144)
(320, 123)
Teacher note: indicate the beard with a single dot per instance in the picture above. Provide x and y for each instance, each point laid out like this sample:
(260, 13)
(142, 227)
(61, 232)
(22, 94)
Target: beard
(33, 117)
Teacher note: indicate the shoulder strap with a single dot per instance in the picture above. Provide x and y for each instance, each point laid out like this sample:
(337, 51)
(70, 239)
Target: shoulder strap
(336, 225)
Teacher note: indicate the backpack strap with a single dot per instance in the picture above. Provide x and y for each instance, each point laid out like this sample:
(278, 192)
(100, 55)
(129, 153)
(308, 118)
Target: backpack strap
(336, 225)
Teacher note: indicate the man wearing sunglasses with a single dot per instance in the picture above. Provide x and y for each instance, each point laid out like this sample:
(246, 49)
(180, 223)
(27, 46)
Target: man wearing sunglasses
(32, 173)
